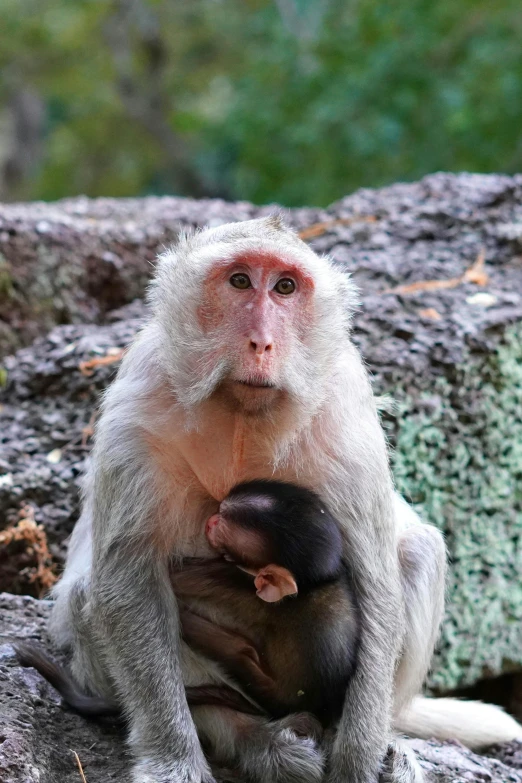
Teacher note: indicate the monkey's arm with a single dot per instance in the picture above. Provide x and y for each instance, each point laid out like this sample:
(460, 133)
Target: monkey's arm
(366, 511)
(364, 731)
(214, 581)
(132, 609)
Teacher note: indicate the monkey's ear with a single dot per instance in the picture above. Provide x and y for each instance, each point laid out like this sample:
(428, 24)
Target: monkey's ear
(276, 221)
(274, 582)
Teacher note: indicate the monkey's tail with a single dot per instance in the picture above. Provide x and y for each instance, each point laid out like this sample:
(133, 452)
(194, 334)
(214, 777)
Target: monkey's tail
(473, 723)
(30, 654)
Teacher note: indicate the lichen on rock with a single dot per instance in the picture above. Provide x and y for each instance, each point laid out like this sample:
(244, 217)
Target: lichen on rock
(458, 457)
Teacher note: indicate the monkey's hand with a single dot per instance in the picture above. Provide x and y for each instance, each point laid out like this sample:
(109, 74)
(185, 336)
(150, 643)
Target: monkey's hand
(400, 765)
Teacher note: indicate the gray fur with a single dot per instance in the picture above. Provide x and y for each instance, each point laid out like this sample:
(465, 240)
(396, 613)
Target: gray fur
(139, 512)
(263, 751)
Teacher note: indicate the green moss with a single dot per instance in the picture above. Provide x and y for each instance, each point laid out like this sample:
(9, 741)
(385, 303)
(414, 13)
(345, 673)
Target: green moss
(458, 458)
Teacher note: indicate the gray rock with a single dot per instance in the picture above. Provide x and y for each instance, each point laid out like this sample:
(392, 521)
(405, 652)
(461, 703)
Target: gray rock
(38, 737)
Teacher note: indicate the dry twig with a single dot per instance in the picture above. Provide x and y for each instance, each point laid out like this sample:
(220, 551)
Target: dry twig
(474, 274)
(80, 768)
(88, 430)
(87, 368)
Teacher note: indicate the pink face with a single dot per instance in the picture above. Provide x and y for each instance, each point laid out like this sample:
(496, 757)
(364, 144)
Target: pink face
(246, 548)
(261, 304)
(234, 541)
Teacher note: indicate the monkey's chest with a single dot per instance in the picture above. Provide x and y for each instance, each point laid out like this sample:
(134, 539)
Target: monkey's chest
(226, 456)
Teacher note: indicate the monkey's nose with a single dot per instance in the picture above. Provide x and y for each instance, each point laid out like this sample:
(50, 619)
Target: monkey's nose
(212, 530)
(261, 344)
(211, 523)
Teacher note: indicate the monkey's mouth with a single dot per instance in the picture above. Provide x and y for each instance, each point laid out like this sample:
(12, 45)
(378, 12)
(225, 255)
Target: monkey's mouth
(257, 383)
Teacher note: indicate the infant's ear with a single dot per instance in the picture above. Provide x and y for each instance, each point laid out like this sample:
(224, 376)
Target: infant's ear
(274, 582)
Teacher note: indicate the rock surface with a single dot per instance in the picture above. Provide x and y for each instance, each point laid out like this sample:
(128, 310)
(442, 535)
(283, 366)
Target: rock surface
(451, 357)
(39, 737)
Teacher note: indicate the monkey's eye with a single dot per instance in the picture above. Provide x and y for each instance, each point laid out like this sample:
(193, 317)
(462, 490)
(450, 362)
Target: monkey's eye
(285, 286)
(240, 281)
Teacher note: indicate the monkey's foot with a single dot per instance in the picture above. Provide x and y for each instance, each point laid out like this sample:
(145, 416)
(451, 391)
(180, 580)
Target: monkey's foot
(304, 724)
(278, 753)
(148, 771)
(400, 765)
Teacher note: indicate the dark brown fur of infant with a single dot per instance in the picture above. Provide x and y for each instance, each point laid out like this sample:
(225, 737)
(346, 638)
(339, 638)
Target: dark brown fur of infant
(288, 622)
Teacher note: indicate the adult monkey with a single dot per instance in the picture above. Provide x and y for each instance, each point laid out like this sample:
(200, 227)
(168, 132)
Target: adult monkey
(245, 371)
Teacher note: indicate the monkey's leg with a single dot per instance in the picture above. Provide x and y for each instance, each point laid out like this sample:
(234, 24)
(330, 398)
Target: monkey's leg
(422, 557)
(85, 666)
(235, 652)
(262, 751)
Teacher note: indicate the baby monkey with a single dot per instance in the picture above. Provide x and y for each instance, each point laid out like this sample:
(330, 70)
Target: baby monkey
(277, 610)
(276, 541)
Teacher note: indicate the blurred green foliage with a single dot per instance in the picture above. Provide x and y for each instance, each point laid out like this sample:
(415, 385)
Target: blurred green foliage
(295, 101)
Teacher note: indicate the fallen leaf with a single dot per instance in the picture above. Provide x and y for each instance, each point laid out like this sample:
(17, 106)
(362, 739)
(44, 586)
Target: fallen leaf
(54, 456)
(113, 355)
(430, 313)
(482, 299)
(33, 540)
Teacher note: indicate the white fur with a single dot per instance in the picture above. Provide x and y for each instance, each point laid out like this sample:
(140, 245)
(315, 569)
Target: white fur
(475, 724)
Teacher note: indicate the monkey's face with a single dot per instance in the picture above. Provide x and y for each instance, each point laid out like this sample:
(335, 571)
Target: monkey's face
(236, 543)
(260, 306)
(246, 548)
(249, 316)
